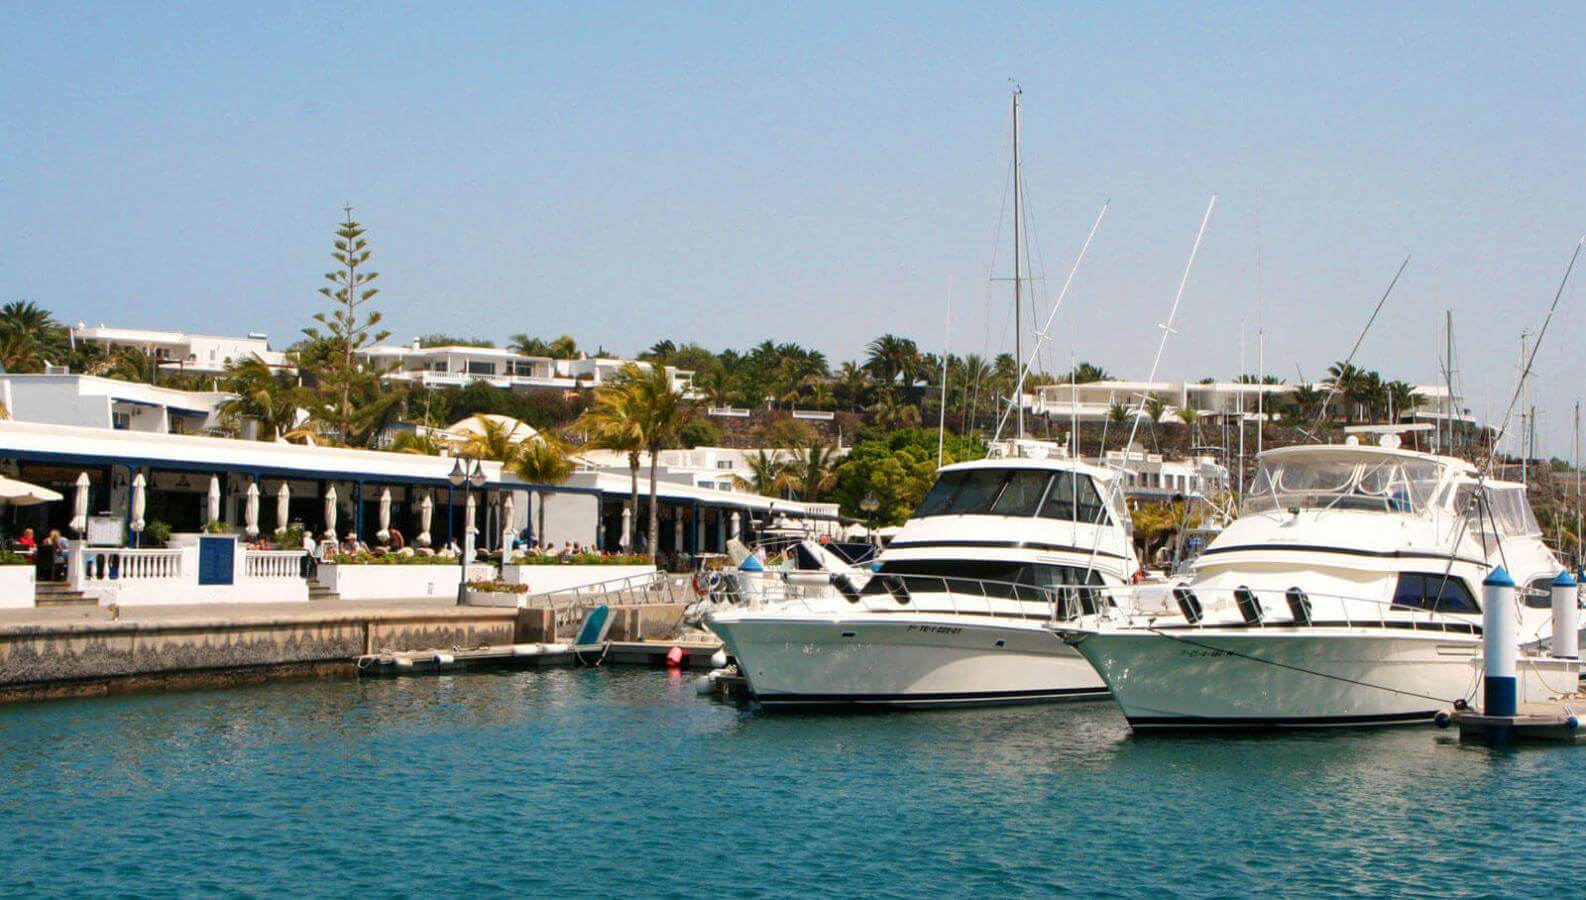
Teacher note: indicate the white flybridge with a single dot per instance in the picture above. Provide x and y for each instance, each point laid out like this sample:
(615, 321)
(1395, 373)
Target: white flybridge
(961, 607)
(1345, 594)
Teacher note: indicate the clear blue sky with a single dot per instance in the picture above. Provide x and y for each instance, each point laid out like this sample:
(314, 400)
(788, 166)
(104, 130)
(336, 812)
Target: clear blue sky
(814, 173)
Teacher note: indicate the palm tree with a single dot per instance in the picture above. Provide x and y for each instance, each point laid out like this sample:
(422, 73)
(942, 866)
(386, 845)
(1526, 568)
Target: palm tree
(1117, 413)
(660, 410)
(563, 347)
(528, 346)
(812, 473)
(612, 423)
(1189, 415)
(494, 439)
(1346, 381)
(852, 383)
(29, 337)
(1402, 398)
(1155, 407)
(1085, 373)
(132, 364)
(543, 460)
(425, 443)
(892, 358)
(976, 373)
(890, 412)
(261, 393)
(660, 351)
(767, 474)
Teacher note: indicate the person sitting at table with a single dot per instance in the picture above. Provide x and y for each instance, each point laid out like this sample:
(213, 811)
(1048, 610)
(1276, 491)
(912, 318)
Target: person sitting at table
(26, 544)
(395, 542)
(44, 558)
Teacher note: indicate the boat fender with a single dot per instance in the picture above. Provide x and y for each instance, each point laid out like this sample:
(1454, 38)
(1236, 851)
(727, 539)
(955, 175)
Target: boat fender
(718, 659)
(1461, 705)
(444, 659)
(704, 684)
(674, 658)
(403, 662)
(1442, 719)
(1572, 723)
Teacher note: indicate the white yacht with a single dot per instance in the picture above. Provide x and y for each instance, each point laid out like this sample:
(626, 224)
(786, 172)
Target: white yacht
(961, 606)
(1347, 593)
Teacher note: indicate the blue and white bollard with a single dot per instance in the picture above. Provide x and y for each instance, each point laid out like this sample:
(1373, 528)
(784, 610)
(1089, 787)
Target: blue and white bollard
(1499, 647)
(1566, 618)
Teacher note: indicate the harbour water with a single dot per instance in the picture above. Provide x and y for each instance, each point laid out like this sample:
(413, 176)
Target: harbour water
(625, 782)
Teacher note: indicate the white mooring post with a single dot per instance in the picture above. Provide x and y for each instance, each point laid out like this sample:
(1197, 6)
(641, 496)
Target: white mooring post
(1499, 649)
(1566, 618)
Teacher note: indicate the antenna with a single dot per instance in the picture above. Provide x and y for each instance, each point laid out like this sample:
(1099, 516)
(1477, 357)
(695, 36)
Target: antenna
(941, 423)
(1348, 361)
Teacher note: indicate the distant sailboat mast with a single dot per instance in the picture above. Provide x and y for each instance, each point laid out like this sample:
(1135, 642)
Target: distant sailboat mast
(1018, 274)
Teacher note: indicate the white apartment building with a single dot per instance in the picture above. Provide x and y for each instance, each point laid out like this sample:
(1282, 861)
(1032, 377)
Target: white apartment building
(1151, 476)
(456, 366)
(200, 353)
(1092, 401)
(716, 468)
(93, 402)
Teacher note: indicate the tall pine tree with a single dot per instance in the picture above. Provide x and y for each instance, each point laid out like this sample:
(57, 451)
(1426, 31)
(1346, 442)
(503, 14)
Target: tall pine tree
(341, 380)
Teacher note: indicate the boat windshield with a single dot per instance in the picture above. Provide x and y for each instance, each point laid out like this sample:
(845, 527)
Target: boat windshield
(1382, 484)
(1016, 492)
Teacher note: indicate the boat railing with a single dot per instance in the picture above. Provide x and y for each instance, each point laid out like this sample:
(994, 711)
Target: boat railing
(817, 592)
(1201, 608)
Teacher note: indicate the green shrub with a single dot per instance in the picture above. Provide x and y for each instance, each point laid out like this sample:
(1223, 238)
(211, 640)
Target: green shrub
(582, 559)
(14, 559)
(217, 527)
(157, 531)
(392, 559)
(497, 587)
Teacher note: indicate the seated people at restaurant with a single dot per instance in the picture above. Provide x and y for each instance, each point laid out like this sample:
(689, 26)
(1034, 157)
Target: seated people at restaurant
(26, 544)
(394, 541)
(44, 557)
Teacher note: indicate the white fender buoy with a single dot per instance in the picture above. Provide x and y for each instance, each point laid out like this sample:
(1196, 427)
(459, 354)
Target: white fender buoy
(704, 684)
(403, 662)
(444, 659)
(719, 658)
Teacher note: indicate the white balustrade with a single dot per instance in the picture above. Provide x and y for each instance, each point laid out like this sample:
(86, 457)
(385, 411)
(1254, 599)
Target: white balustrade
(108, 565)
(273, 565)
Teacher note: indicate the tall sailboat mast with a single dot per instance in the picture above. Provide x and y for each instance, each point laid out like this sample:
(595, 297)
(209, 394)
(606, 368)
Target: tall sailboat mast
(1018, 273)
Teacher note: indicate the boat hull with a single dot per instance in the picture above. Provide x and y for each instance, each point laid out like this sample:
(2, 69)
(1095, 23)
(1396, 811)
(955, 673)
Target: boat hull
(1274, 679)
(904, 660)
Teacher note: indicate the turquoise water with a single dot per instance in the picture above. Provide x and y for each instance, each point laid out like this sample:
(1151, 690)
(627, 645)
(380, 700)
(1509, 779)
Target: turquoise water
(625, 782)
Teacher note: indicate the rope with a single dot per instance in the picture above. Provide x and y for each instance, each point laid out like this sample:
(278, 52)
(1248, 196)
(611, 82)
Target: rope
(1302, 671)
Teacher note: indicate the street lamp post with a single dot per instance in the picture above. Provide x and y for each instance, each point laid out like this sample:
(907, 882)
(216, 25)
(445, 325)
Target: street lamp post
(870, 504)
(462, 477)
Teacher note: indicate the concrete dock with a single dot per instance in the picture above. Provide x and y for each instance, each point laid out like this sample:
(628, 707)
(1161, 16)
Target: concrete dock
(89, 651)
(1557, 721)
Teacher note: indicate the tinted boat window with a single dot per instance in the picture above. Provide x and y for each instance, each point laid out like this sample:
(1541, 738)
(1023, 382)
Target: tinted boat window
(978, 491)
(941, 494)
(1435, 592)
(1072, 497)
(1032, 582)
(1022, 494)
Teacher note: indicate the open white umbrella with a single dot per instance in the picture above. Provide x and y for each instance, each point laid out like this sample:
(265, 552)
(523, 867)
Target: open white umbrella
(330, 512)
(283, 508)
(79, 521)
(384, 534)
(140, 491)
(20, 493)
(214, 498)
(426, 511)
(250, 513)
(509, 533)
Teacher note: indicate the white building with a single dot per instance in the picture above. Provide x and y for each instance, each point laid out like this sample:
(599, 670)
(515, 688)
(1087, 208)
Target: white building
(1151, 476)
(1093, 401)
(201, 353)
(457, 366)
(93, 402)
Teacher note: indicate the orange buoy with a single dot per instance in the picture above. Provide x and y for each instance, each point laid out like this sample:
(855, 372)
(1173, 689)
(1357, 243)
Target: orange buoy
(674, 658)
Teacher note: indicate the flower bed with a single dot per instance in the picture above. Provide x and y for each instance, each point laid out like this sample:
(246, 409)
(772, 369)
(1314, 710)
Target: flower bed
(582, 559)
(483, 592)
(393, 559)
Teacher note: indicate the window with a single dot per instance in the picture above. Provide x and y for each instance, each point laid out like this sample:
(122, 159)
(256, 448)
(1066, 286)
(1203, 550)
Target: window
(1073, 497)
(178, 425)
(723, 463)
(1021, 496)
(1344, 481)
(1435, 592)
(481, 368)
(977, 492)
(941, 494)
(438, 366)
(1032, 582)
(121, 421)
(1538, 594)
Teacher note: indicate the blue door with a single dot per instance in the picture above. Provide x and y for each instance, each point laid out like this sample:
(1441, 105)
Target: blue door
(216, 558)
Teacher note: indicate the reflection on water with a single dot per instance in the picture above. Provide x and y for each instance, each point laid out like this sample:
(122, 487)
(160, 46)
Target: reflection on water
(570, 781)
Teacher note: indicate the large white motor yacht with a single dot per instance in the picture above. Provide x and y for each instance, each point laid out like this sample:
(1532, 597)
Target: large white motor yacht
(960, 608)
(1346, 593)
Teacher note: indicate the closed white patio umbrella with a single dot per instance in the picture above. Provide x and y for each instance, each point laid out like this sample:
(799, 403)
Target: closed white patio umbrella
(469, 530)
(330, 512)
(250, 514)
(283, 508)
(426, 512)
(509, 533)
(384, 534)
(140, 492)
(214, 498)
(79, 521)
